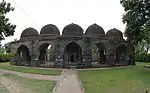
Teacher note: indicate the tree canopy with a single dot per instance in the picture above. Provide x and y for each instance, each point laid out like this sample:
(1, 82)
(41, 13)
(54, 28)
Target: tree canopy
(6, 29)
(137, 20)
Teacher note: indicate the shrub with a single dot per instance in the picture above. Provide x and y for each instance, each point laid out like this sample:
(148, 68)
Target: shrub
(6, 57)
(148, 58)
(142, 58)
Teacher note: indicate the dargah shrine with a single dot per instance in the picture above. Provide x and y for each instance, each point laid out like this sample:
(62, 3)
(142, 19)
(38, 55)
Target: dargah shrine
(72, 48)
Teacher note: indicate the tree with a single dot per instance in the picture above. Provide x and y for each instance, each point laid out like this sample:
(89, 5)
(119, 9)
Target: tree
(141, 51)
(2, 50)
(137, 20)
(6, 29)
(7, 47)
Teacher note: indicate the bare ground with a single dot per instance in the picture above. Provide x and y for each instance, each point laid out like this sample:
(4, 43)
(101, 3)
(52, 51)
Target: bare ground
(13, 87)
(36, 76)
(67, 82)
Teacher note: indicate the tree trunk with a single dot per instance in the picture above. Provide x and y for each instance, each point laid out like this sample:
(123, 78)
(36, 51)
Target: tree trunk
(132, 55)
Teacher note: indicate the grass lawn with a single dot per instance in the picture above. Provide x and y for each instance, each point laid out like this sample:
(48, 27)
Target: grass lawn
(134, 79)
(7, 66)
(33, 85)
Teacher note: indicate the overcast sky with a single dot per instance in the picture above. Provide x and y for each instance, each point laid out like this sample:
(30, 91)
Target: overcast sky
(37, 13)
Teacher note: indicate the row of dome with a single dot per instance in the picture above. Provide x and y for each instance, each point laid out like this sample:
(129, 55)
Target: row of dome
(71, 30)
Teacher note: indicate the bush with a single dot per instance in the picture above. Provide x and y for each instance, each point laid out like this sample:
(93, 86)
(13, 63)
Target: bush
(148, 58)
(141, 58)
(6, 57)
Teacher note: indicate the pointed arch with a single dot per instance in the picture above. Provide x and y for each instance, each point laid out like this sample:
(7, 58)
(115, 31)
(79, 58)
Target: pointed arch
(24, 53)
(72, 52)
(45, 52)
(98, 52)
(122, 54)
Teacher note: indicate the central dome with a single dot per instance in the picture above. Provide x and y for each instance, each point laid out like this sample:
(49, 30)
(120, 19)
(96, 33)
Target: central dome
(95, 30)
(72, 30)
(50, 29)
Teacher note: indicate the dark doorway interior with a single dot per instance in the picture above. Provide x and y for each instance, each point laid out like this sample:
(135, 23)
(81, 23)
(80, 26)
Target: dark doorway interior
(101, 52)
(24, 54)
(73, 52)
(122, 54)
(45, 52)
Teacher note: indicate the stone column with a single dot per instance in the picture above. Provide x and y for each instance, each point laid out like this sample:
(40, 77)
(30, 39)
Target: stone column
(34, 55)
(34, 60)
(110, 56)
(87, 52)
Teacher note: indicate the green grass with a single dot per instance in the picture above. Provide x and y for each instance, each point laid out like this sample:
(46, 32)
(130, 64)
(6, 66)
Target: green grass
(134, 79)
(34, 85)
(7, 66)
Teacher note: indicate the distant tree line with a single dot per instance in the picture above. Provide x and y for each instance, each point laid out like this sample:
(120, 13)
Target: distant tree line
(5, 54)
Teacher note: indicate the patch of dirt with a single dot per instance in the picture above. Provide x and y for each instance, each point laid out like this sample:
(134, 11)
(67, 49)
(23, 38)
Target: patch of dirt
(28, 75)
(12, 86)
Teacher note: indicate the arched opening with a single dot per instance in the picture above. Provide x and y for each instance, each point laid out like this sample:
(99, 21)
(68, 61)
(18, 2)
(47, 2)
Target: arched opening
(73, 52)
(122, 54)
(98, 53)
(45, 53)
(24, 54)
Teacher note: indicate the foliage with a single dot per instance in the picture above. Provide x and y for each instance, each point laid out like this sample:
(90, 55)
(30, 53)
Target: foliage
(7, 47)
(141, 50)
(6, 57)
(142, 58)
(137, 19)
(6, 28)
(148, 58)
(2, 49)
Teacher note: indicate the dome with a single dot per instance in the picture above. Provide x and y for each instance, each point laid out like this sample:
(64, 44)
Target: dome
(95, 30)
(29, 32)
(72, 30)
(114, 33)
(50, 29)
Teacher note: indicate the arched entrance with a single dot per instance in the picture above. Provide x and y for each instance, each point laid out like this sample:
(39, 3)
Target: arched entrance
(73, 52)
(122, 54)
(45, 52)
(98, 53)
(24, 54)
